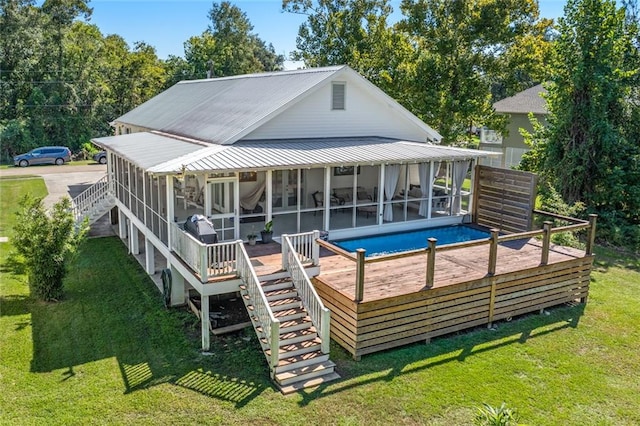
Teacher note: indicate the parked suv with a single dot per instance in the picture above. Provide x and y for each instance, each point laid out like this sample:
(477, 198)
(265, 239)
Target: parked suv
(100, 157)
(57, 155)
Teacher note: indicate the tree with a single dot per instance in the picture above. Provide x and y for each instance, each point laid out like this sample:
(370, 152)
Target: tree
(228, 47)
(355, 33)
(463, 50)
(590, 151)
(47, 240)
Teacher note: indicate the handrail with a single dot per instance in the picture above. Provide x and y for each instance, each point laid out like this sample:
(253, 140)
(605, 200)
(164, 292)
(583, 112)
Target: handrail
(95, 194)
(335, 249)
(270, 324)
(305, 246)
(559, 216)
(208, 260)
(319, 314)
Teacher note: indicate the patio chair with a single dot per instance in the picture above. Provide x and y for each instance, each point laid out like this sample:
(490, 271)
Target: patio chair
(318, 200)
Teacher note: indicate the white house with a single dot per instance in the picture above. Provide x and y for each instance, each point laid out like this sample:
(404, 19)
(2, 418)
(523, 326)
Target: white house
(316, 149)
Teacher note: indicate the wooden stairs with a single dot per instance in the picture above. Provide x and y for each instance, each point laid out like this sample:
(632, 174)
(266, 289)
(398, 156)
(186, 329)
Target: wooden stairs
(301, 362)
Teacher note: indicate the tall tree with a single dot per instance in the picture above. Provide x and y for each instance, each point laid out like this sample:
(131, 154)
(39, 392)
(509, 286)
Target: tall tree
(590, 151)
(462, 48)
(355, 33)
(228, 46)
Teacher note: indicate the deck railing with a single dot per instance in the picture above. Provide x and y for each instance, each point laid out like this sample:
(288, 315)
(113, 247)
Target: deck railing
(96, 194)
(305, 246)
(493, 241)
(270, 325)
(318, 313)
(207, 260)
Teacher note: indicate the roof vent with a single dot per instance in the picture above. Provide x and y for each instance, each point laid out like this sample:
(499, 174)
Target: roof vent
(338, 96)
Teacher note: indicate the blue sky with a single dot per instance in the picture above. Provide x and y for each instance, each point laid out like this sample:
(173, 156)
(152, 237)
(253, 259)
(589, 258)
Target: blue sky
(167, 24)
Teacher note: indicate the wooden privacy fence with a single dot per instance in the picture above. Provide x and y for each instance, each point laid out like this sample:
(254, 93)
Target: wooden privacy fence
(504, 199)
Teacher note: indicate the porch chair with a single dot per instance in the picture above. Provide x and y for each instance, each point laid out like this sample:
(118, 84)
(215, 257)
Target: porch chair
(318, 200)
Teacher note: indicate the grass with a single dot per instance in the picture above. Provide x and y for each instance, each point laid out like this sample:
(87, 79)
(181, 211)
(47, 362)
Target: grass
(110, 353)
(11, 189)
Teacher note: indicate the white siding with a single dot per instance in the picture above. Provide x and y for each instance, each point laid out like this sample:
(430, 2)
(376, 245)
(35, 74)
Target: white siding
(364, 115)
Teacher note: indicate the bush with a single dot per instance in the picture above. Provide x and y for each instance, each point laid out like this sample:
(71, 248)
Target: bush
(492, 416)
(46, 241)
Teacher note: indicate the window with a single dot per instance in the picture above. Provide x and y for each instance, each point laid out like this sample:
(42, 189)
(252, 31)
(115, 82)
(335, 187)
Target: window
(338, 96)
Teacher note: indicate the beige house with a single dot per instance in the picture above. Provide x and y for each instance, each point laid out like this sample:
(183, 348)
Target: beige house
(511, 144)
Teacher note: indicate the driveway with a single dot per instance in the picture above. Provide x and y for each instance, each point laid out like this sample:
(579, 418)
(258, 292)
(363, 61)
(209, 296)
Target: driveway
(69, 181)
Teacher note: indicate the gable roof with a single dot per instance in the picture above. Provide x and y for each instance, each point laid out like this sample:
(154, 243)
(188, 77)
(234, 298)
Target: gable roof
(223, 110)
(529, 100)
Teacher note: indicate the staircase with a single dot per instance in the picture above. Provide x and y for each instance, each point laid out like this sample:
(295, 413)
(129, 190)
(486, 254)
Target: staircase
(301, 361)
(292, 327)
(95, 201)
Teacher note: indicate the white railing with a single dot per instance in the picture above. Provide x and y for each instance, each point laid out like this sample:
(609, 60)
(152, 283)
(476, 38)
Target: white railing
(208, 260)
(262, 310)
(92, 197)
(318, 313)
(305, 246)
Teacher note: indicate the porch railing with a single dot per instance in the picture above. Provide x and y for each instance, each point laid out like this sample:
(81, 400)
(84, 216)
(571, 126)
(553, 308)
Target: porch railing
(92, 197)
(318, 313)
(493, 241)
(270, 325)
(207, 260)
(305, 246)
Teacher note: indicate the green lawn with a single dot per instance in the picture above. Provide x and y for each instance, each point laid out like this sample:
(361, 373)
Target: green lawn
(11, 189)
(110, 353)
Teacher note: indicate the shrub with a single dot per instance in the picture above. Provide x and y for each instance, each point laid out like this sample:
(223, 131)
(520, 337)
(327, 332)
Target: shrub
(46, 241)
(492, 416)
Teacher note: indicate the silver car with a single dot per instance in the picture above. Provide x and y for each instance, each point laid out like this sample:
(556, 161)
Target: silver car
(57, 155)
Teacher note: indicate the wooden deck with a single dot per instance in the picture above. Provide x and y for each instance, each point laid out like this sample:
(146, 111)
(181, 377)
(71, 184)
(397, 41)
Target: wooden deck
(397, 308)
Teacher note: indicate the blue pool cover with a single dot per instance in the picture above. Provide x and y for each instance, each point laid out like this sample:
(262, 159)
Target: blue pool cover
(411, 240)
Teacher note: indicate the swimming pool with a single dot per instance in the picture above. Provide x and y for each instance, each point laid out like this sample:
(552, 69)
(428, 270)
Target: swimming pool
(412, 240)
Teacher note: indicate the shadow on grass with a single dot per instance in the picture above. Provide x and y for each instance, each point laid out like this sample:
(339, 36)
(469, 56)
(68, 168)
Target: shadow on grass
(443, 350)
(112, 309)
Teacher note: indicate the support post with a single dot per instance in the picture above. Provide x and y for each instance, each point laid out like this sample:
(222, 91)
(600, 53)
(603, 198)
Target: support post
(592, 234)
(285, 252)
(204, 264)
(315, 248)
(493, 251)
(179, 290)
(431, 260)
(546, 241)
(204, 322)
(134, 244)
(122, 224)
(360, 274)
(149, 255)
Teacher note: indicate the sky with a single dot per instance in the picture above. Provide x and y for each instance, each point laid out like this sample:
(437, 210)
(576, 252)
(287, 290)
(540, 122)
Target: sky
(167, 24)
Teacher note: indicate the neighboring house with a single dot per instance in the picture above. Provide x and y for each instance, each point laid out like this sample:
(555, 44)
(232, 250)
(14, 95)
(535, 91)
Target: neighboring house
(511, 144)
(307, 150)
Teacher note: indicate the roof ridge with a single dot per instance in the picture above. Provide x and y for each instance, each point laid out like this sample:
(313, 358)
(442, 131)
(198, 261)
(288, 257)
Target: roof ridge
(333, 68)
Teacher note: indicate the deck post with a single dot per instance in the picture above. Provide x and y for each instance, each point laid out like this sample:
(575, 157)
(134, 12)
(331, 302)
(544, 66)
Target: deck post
(431, 260)
(493, 251)
(592, 234)
(204, 264)
(315, 248)
(204, 322)
(360, 274)
(285, 252)
(546, 240)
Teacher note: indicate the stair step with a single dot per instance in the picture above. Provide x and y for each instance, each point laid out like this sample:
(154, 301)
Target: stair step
(296, 324)
(309, 383)
(295, 349)
(305, 373)
(278, 284)
(283, 293)
(286, 364)
(284, 304)
(290, 314)
(291, 337)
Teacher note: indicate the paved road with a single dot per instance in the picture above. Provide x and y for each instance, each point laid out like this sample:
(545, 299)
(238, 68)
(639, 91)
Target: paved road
(67, 180)
(61, 180)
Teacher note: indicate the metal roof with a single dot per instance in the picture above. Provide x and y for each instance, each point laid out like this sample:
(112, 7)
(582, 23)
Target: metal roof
(218, 110)
(160, 154)
(146, 149)
(529, 100)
